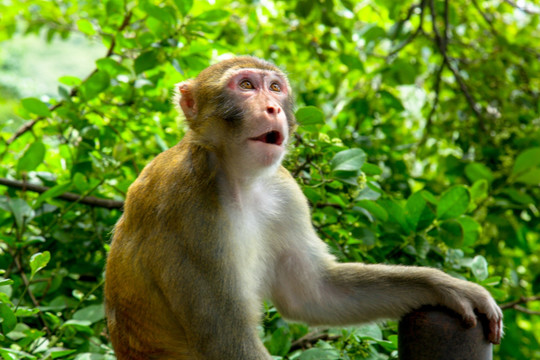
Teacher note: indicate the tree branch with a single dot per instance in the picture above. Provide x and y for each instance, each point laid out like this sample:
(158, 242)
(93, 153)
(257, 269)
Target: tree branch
(442, 45)
(30, 124)
(525, 310)
(522, 300)
(524, 9)
(429, 120)
(486, 18)
(310, 339)
(88, 200)
(26, 282)
(417, 31)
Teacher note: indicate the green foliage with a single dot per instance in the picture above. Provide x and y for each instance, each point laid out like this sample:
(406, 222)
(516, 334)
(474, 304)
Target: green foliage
(419, 143)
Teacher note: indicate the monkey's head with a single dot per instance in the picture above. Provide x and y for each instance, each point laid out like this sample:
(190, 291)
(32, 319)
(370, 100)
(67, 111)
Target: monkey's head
(242, 108)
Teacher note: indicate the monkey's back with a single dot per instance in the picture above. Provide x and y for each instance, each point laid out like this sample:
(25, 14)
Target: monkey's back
(154, 238)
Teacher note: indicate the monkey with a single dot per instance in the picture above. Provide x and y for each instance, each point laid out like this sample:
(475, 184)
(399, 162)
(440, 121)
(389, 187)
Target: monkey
(215, 225)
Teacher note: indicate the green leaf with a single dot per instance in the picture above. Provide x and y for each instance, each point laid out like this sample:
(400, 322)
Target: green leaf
(22, 212)
(92, 356)
(451, 233)
(86, 27)
(370, 192)
(146, 61)
(371, 169)
(79, 325)
(370, 331)
(162, 14)
(479, 190)
(309, 115)
(52, 193)
(390, 101)
(111, 67)
(401, 72)
(38, 261)
(479, 267)
(348, 160)
(213, 15)
(453, 203)
(96, 84)
(36, 106)
(22, 312)
(477, 171)
(492, 281)
(471, 230)
(530, 177)
(320, 354)
(419, 214)
(352, 62)
(527, 160)
(375, 209)
(527, 167)
(58, 353)
(422, 246)
(70, 81)
(372, 32)
(362, 235)
(280, 342)
(395, 214)
(8, 318)
(6, 282)
(519, 197)
(184, 6)
(80, 182)
(92, 313)
(32, 158)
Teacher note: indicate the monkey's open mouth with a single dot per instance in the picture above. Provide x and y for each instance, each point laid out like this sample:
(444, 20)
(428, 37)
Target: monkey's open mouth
(271, 137)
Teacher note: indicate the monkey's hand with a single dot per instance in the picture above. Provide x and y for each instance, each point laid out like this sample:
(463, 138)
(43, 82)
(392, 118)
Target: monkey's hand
(465, 297)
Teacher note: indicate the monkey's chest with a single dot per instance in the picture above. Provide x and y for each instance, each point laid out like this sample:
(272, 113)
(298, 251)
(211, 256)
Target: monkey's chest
(252, 231)
(249, 247)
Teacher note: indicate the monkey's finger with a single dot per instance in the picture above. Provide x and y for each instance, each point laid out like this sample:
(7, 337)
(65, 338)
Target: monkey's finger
(495, 331)
(469, 321)
(468, 316)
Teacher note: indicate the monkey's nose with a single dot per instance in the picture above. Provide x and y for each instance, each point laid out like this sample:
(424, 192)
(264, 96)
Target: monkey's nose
(273, 109)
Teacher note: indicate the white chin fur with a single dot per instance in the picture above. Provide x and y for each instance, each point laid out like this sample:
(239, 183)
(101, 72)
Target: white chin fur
(266, 154)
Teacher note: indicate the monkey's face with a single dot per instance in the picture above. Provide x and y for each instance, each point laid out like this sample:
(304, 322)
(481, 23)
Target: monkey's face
(256, 114)
(241, 108)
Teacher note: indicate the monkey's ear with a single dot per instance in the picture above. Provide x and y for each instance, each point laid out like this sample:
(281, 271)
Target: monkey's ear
(184, 98)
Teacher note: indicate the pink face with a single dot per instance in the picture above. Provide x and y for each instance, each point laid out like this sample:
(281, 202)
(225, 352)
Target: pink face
(261, 94)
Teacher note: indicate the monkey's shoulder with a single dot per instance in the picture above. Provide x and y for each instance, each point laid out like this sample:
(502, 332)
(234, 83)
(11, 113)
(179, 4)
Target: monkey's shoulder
(183, 165)
(173, 179)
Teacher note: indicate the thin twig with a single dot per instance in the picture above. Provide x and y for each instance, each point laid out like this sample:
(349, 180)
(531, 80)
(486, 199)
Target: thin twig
(416, 32)
(486, 18)
(522, 300)
(520, 8)
(310, 339)
(434, 106)
(88, 200)
(442, 45)
(26, 282)
(525, 310)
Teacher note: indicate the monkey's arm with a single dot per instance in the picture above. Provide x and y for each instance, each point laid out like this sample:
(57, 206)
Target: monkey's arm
(332, 293)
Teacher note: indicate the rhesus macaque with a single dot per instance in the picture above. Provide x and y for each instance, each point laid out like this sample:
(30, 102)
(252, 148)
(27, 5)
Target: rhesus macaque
(215, 225)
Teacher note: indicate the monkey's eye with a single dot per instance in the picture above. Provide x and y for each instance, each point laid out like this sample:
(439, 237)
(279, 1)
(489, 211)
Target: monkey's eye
(275, 87)
(246, 84)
